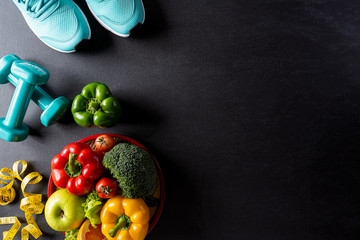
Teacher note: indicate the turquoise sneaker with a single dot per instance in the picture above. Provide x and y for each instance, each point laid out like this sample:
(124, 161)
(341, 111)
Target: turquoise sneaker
(120, 17)
(60, 24)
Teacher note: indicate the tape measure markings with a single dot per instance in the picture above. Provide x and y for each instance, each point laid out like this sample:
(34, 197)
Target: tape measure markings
(30, 204)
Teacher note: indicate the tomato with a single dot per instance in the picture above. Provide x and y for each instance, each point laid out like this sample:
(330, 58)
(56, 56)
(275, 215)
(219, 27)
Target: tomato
(106, 187)
(104, 143)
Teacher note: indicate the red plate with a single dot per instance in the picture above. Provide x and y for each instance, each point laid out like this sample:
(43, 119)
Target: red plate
(159, 190)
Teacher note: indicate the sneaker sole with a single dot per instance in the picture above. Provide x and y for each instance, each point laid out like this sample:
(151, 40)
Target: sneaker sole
(137, 26)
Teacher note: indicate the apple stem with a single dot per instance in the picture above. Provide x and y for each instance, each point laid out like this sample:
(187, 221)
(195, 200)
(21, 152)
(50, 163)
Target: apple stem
(120, 224)
(73, 168)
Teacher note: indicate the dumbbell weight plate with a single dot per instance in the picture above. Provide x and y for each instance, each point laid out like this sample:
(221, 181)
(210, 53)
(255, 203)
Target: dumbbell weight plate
(5, 66)
(30, 72)
(55, 111)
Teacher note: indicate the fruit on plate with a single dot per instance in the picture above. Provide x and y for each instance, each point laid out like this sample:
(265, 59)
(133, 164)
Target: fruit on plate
(88, 232)
(125, 218)
(133, 168)
(76, 168)
(63, 211)
(106, 187)
(104, 143)
(158, 193)
(96, 106)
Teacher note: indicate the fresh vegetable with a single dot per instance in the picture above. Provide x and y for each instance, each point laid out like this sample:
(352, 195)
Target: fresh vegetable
(88, 232)
(92, 207)
(63, 211)
(106, 187)
(72, 234)
(133, 168)
(76, 168)
(104, 143)
(96, 106)
(125, 218)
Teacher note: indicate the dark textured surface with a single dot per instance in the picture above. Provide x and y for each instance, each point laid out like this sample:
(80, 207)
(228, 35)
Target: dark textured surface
(251, 108)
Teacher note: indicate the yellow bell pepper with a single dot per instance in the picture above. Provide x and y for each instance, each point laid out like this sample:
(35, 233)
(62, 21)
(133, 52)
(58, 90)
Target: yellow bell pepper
(125, 218)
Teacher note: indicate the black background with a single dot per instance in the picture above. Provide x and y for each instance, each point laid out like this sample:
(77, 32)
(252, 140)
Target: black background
(251, 108)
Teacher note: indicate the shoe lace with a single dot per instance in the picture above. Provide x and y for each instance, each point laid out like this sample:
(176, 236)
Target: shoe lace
(36, 6)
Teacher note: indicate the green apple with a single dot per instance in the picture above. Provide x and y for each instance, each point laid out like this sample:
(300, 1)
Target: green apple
(63, 210)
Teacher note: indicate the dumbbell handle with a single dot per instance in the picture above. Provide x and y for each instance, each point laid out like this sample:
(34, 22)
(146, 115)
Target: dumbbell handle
(19, 104)
(39, 96)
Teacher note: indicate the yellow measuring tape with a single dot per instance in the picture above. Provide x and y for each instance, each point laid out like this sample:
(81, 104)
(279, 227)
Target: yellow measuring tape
(30, 204)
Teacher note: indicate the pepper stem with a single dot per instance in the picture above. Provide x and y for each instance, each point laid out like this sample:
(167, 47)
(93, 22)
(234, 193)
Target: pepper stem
(120, 224)
(93, 105)
(73, 168)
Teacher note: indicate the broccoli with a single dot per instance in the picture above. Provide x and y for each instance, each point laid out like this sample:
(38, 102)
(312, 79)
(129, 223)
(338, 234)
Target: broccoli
(72, 234)
(133, 168)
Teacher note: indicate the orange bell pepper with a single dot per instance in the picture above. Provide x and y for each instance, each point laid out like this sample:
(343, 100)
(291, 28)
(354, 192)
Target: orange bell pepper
(125, 218)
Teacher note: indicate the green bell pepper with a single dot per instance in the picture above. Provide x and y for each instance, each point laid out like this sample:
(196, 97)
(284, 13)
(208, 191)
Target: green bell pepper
(96, 106)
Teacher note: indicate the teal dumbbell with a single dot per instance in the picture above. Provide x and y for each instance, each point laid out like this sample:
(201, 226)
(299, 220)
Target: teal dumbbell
(29, 75)
(53, 109)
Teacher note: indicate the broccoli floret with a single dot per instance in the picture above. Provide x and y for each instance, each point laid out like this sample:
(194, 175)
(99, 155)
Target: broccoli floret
(72, 234)
(133, 168)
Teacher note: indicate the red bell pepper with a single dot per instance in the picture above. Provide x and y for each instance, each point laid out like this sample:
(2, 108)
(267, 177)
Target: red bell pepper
(76, 168)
